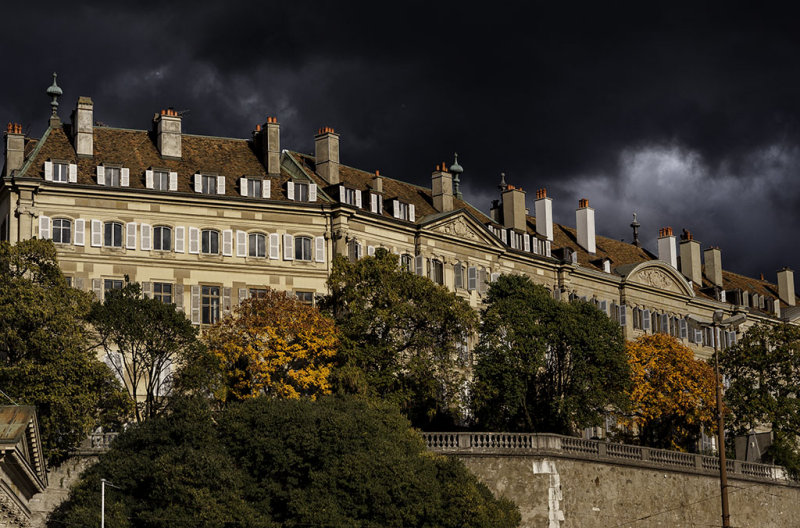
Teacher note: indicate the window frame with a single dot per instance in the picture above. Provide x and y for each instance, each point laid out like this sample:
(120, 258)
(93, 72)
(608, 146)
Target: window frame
(252, 183)
(300, 192)
(300, 244)
(407, 262)
(113, 225)
(437, 271)
(161, 295)
(60, 230)
(60, 172)
(206, 246)
(112, 284)
(302, 295)
(158, 242)
(112, 176)
(208, 184)
(255, 237)
(157, 180)
(210, 304)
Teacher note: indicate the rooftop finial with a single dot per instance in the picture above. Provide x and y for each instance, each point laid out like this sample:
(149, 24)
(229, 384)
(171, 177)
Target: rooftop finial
(54, 91)
(502, 185)
(635, 225)
(456, 169)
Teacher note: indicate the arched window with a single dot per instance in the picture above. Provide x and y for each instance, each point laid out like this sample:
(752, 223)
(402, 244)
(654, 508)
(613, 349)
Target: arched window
(257, 246)
(209, 242)
(162, 238)
(113, 234)
(302, 248)
(62, 231)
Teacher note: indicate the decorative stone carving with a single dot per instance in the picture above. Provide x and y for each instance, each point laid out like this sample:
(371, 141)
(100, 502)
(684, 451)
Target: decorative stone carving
(657, 279)
(459, 228)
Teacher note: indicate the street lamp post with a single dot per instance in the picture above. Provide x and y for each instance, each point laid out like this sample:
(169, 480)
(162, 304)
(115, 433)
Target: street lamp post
(103, 483)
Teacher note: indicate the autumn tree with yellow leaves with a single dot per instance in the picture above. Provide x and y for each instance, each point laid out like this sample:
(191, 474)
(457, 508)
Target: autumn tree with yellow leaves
(672, 394)
(275, 346)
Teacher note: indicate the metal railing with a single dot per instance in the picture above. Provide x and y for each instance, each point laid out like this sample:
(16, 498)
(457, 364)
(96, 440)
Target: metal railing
(510, 444)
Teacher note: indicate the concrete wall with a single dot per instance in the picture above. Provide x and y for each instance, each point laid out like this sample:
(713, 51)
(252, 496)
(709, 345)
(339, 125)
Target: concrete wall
(555, 492)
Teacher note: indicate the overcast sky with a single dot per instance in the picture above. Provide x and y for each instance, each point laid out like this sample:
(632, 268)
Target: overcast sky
(686, 115)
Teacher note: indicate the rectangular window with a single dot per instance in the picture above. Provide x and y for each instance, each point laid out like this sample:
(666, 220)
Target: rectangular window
(302, 248)
(209, 184)
(301, 192)
(254, 188)
(258, 293)
(210, 242)
(210, 304)
(348, 196)
(437, 272)
(402, 210)
(407, 262)
(472, 278)
(113, 234)
(112, 176)
(112, 284)
(257, 245)
(162, 238)
(62, 231)
(163, 292)
(458, 272)
(160, 180)
(305, 297)
(61, 172)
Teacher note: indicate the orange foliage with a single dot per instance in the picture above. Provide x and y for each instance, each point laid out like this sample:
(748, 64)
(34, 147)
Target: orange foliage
(670, 386)
(274, 345)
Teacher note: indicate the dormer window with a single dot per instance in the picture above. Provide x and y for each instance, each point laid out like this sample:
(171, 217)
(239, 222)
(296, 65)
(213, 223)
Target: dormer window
(254, 187)
(349, 196)
(301, 192)
(60, 171)
(208, 184)
(403, 211)
(376, 203)
(112, 176)
(161, 180)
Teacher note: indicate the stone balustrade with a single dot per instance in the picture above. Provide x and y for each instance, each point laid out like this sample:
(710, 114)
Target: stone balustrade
(544, 444)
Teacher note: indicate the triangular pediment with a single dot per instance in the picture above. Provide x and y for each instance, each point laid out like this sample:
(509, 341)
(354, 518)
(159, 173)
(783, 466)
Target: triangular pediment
(460, 225)
(656, 274)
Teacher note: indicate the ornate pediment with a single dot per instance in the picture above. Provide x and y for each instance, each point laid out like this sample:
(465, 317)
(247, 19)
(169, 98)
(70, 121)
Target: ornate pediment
(656, 274)
(463, 227)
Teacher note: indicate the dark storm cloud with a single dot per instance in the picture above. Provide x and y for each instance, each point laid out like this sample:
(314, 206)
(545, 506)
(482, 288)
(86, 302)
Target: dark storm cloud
(686, 114)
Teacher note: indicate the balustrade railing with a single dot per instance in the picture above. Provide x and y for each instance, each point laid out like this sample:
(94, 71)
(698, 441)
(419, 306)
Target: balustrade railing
(568, 446)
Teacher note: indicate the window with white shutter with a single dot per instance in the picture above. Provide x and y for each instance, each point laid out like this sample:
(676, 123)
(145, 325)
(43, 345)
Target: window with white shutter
(173, 181)
(319, 249)
(411, 214)
(396, 212)
(80, 232)
(73, 173)
(472, 278)
(504, 236)
(289, 190)
(265, 188)
(419, 266)
(312, 192)
(97, 233)
(646, 320)
(180, 239)
(130, 238)
(101, 175)
(243, 191)
(227, 242)
(220, 184)
(198, 183)
(44, 227)
(196, 305)
(527, 242)
(274, 246)
(125, 177)
(48, 171)
(241, 243)
(147, 237)
(683, 328)
(288, 247)
(148, 178)
(194, 240)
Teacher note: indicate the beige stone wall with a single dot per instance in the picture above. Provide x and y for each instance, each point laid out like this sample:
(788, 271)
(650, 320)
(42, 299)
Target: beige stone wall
(563, 493)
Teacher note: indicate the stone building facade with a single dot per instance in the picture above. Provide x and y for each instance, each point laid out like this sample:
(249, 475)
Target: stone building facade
(205, 222)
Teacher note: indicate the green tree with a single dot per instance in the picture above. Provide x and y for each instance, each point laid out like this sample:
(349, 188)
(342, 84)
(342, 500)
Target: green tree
(545, 365)
(273, 345)
(400, 336)
(763, 369)
(339, 462)
(147, 342)
(45, 356)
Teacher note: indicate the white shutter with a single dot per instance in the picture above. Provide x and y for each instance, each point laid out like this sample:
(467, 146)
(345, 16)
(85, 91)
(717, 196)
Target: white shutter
(288, 247)
(173, 181)
(198, 183)
(130, 239)
(194, 240)
(504, 236)
(396, 208)
(241, 243)
(419, 265)
(646, 320)
(147, 289)
(97, 233)
(312, 192)
(227, 243)
(226, 300)
(373, 203)
(370, 251)
(195, 304)
(274, 246)
(48, 171)
(101, 175)
(242, 295)
(341, 194)
(180, 236)
(266, 188)
(289, 190)
(97, 288)
(359, 250)
(148, 178)
(683, 332)
(220, 184)
(358, 199)
(319, 249)
(527, 241)
(124, 177)
(178, 297)
(243, 186)
(147, 238)
(73, 173)
(44, 227)
(80, 232)
(472, 278)
(412, 217)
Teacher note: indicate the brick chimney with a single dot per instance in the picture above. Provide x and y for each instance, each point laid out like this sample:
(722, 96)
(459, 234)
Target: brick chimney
(83, 127)
(514, 208)
(690, 258)
(786, 286)
(713, 259)
(326, 149)
(168, 133)
(442, 187)
(543, 207)
(267, 140)
(584, 221)
(15, 148)
(666, 247)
